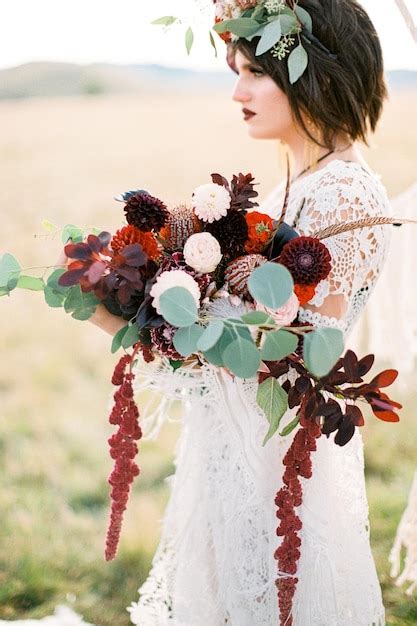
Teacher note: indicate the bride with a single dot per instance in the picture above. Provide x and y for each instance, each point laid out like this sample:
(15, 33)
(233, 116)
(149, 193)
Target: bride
(215, 562)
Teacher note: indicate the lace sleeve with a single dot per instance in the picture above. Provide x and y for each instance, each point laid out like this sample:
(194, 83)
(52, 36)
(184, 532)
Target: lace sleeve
(357, 256)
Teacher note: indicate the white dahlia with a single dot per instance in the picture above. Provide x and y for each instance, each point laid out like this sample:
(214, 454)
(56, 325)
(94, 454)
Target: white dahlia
(202, 252)
(174, 278)
(211, 202)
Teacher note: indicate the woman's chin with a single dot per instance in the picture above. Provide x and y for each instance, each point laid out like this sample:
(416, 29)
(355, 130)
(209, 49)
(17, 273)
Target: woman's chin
(260, 133)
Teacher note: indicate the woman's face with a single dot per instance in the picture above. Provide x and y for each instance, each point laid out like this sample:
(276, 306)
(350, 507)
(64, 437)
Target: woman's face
(258, 93)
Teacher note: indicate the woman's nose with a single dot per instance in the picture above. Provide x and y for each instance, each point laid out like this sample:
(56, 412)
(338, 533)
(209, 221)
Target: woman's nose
(240, 94)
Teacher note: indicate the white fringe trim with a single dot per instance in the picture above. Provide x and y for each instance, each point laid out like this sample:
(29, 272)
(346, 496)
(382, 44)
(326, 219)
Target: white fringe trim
(406, 536)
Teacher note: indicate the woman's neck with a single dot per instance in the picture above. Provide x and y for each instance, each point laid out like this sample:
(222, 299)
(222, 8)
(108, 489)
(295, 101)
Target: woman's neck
(342, 150)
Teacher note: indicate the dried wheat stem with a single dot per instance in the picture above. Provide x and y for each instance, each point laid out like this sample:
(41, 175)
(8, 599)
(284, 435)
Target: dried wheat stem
(342, 227)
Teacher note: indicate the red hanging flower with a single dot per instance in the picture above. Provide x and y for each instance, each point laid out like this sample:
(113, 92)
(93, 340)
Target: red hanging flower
(123, 448)
(297, 464)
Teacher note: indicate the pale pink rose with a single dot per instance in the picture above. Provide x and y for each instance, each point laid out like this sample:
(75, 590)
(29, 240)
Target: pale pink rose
(285, 314)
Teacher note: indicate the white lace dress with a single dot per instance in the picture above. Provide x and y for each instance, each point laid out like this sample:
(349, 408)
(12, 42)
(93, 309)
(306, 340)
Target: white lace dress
(214, 564)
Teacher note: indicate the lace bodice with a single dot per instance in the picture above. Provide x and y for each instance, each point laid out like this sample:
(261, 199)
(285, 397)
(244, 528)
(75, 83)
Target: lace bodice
(343, 191)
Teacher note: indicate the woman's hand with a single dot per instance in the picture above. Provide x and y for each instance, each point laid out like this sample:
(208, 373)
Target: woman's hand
(101, 318)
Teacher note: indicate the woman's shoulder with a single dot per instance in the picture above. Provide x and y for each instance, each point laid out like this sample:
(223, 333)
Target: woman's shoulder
(342, 184)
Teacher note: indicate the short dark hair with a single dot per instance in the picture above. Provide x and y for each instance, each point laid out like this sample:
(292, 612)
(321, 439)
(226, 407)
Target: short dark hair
(339, 95)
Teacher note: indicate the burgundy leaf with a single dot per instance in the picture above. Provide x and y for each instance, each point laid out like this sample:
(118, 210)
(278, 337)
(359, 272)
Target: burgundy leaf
(70, 278)
(384, 379)
(105, 238)
(95, 271)
(130, 273)
(331, 424)
(302, 384)
(218, 179)
(134, 255)
(94, 242)
(77, 251)
(351, 365)
(331, 408)
(344, 434)
(355, 414)
(365, 364)
(293, 398)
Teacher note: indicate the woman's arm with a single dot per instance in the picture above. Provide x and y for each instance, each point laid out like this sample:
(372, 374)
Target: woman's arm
(105, 320)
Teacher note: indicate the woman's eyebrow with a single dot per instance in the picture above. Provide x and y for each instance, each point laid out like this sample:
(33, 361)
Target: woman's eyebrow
(246, 66)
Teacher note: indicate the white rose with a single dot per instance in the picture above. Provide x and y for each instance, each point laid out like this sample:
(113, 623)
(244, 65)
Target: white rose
(174, 278)
(211, 202)
(285, 314)
(202, 252)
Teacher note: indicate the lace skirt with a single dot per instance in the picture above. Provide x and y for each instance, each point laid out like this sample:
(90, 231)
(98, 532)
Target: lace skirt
(214, 564)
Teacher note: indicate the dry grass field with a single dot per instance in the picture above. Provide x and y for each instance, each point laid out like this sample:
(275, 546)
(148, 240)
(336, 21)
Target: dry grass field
(64, 159)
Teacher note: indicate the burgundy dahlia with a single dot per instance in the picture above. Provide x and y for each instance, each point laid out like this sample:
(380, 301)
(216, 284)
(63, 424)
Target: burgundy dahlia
(162, 340)
(308, 260)
(232, 232)
(175, 261)
(146, 212)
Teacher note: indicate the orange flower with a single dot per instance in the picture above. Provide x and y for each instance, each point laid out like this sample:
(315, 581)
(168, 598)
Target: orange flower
(130, 234)
(304, 292)
(260, 227)
(227, 37)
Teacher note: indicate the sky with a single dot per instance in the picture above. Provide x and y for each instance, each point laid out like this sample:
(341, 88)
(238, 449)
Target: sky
(89, 31)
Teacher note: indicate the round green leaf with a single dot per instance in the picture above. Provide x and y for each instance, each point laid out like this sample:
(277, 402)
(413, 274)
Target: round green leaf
(256, 318)
(117, 339)
(242, 358)
(9, 271)
(189, 39)
(273, 400)
(31, 282)
(130, 337)
(166, 20)
(297, 63)
(80, 304)
(211, 335)
(185, 339)
(271, 284)
(270, 36)
(70, 231)
(241, 26)
(178, 307)
(322, 348)
(304, 17)
(290, 427)
(48, 226)
(54, 293)
(278, 344)
(213, 43)
(288, 24)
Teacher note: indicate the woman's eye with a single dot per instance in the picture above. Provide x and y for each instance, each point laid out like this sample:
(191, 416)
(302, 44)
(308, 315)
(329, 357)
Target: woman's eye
(256, 71)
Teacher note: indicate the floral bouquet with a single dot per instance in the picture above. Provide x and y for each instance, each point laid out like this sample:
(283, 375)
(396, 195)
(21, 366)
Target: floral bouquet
(172, 274)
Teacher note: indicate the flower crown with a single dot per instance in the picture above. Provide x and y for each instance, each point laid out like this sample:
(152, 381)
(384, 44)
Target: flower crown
(277, 23)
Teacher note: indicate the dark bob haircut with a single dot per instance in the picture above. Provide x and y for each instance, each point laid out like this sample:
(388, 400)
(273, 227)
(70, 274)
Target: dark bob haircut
(342, 95)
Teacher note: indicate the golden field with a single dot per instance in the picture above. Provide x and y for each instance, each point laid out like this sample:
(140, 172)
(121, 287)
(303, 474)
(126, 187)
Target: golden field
(64, 159)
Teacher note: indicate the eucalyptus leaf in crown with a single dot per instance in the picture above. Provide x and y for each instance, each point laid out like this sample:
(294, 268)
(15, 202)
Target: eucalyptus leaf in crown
(283, 28)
